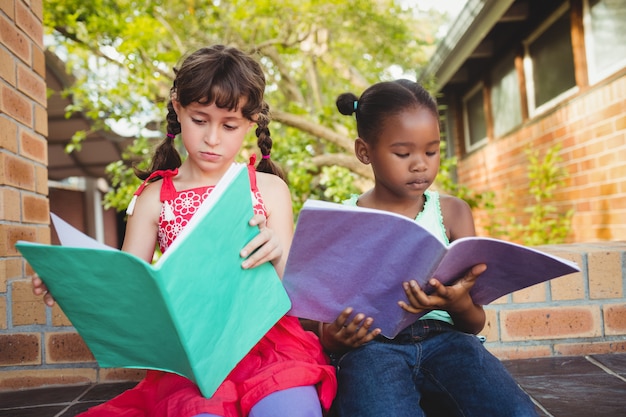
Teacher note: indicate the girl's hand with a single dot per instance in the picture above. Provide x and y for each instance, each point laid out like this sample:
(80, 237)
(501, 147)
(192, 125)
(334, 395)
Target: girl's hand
(455, 299)
(264, 247)
(39, 288)
(452, 298)
(344, 334)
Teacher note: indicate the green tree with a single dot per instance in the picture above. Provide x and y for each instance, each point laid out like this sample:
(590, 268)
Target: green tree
(122, 53)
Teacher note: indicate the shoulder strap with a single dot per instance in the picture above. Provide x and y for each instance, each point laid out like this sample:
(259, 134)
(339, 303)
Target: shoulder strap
(252, 173)
(168, 191)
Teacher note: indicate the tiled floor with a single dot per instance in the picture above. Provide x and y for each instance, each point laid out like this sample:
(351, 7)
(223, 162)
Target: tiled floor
(578, 386)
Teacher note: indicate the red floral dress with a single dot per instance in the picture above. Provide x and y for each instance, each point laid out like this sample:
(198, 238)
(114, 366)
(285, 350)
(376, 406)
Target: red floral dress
(286, 357)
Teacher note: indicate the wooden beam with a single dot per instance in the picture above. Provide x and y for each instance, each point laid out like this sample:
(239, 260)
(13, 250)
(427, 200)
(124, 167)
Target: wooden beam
(518, 12)
(483, 50)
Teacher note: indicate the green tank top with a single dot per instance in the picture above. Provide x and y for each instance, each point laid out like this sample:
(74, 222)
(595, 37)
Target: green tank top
(431, 219)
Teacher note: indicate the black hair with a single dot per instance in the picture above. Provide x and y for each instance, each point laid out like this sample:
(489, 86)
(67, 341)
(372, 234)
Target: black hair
(382, 100)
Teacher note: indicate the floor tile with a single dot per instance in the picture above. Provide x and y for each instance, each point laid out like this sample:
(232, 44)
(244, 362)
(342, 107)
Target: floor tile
(597, 395)
(41, 396)
(42, 411)
(106, 391)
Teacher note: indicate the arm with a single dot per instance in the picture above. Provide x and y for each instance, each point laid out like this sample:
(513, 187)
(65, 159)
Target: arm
(142, 227)
(276, 232)
(455, 299)
(140, 236)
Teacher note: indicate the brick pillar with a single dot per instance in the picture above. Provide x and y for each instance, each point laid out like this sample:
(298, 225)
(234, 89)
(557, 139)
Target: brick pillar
(24, 208)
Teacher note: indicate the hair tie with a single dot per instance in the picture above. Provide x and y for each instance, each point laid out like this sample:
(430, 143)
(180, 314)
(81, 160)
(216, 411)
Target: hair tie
(356, 104)
(171, 135)
(266, 156)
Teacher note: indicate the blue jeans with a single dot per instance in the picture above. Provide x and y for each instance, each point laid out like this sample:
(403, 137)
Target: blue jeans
(428, 369)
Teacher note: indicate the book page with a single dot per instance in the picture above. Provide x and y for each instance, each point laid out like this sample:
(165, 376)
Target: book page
(510, 267)
(70, 236)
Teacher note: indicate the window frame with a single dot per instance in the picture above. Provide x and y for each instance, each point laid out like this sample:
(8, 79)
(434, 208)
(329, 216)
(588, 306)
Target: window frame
(504, 62)
(534, 110)
(469, 147)
(595, 74)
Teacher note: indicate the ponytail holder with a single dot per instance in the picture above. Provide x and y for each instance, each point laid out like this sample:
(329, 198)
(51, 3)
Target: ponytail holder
(356, 104)
(266, 156)
(171, 135)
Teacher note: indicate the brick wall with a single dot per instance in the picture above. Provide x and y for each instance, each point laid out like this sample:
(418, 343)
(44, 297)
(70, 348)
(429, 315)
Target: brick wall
(580, 313)
(591, 128)
(38, 346)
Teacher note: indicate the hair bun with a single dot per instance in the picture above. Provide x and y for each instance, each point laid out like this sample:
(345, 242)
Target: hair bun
(347, 103)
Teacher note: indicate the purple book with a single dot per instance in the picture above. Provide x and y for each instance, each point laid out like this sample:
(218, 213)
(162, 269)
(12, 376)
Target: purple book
(345, 256)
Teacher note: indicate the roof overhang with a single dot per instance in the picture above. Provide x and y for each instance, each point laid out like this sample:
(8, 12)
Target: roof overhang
(470, 28)
(98, 149)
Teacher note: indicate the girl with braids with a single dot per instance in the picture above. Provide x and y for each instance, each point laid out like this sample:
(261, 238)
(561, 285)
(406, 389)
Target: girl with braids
(217, 97)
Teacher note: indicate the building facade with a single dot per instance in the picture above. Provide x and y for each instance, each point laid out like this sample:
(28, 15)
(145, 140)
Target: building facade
(518, 75)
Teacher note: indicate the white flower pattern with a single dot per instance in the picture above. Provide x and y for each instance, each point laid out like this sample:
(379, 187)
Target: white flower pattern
(185, 205)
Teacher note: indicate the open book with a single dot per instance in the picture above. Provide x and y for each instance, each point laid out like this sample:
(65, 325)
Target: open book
(188, 313)
(344, 256)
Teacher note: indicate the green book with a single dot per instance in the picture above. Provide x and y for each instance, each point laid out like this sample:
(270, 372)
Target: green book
(194, 312)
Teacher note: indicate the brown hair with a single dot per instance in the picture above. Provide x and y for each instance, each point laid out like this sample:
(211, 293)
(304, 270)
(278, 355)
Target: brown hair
(222, 75)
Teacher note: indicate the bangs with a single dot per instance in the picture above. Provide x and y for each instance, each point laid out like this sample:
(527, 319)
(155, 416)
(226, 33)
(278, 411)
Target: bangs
(224, 92)
(224, 95)
(225, 80)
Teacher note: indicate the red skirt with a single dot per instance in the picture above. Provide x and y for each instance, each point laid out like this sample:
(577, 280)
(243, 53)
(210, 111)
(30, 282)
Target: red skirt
(286, 357)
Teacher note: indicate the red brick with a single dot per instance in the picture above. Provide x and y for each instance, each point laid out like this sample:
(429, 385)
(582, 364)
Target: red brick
(533, 294)
(59, 319)
(34, 378)
(520, 352)
(31, 84)
(36, 209)
(568, 287)
(8, 6)
(550, 323)
(66, 348)
(27, 308)
(605, 274)
(20, 349)
(121, 374)
(16, 105)
(17, 172)
(587, 348)
(9, 234)
(14, 39)
(41, 120)
(34, 147)
(9, 268)
(29, 23)
(8, 134)
(37, 7)
(39, 62)
(615, 319)
(41, 180)
(10, 204)
(7, 67)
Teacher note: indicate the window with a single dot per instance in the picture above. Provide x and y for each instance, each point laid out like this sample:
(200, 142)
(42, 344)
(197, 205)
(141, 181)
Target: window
(474, 119)
(549, 62)
(506, 103)
(605, 37)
